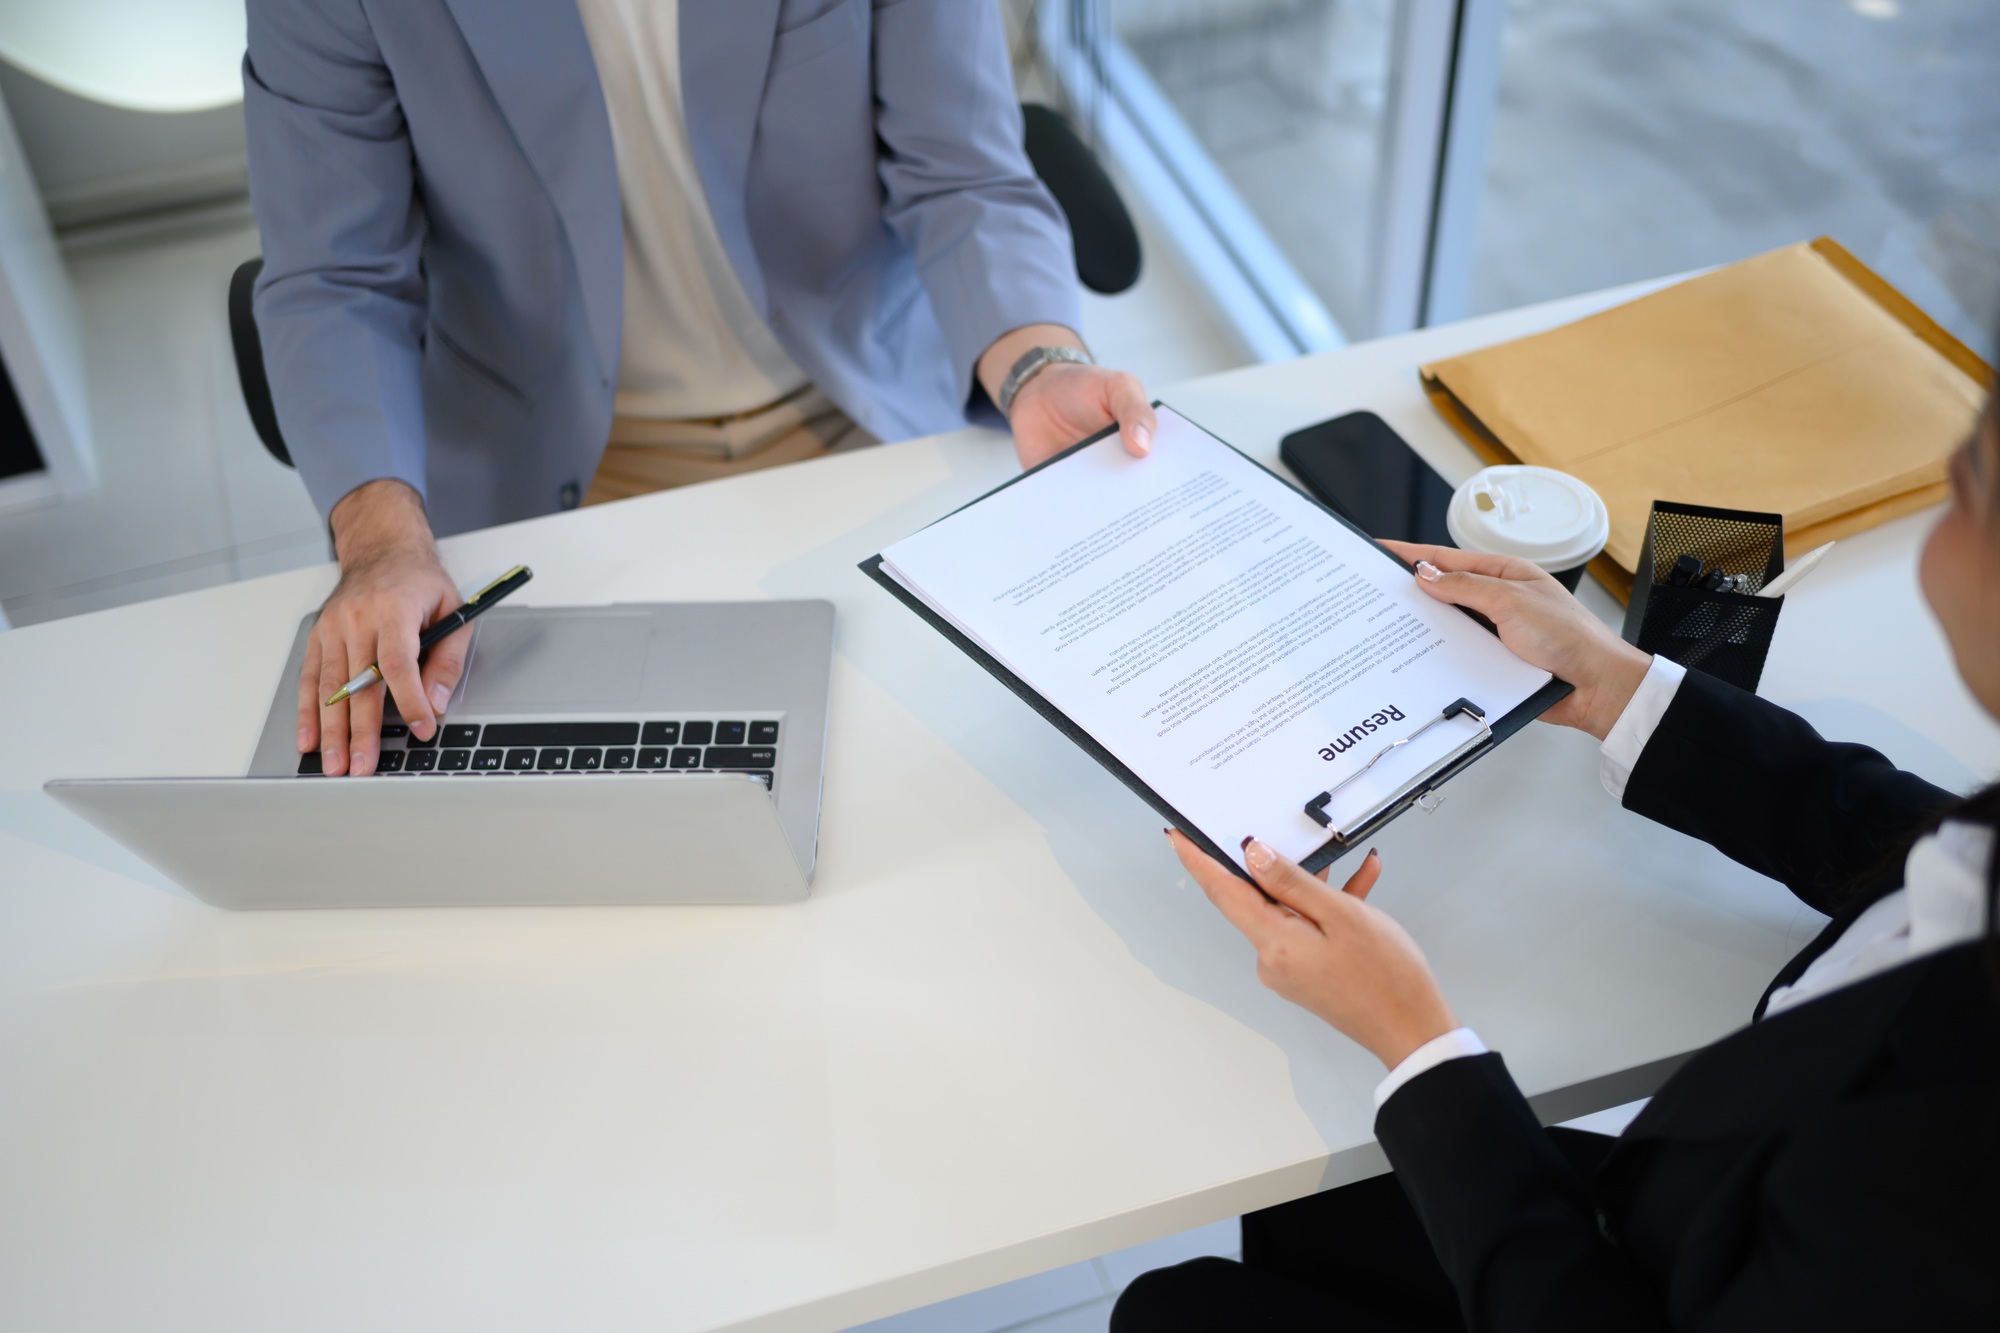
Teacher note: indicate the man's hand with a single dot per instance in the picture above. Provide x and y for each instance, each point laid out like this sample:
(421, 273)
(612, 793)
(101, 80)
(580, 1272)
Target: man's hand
(1542, 623)
(1063, 402)
(1327, 950)
(391, 586)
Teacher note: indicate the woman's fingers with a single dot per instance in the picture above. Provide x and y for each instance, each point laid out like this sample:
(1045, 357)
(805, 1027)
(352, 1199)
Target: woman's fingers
(1240, 904)
(1453, 560)
(1490, 596)
(1362, 880)
(1286, 881)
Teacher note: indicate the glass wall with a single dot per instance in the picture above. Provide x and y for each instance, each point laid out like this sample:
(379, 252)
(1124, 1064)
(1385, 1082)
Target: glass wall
(1288, 97)
(1639, 137)
(1629, 138)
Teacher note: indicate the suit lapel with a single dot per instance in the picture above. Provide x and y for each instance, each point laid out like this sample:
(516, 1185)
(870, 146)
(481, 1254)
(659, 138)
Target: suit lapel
(1832, 931)
(538, 66)
(725, 55)
(1765, 1075)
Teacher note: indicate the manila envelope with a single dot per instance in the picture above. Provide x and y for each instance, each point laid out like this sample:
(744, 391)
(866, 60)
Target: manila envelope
(1793, 382)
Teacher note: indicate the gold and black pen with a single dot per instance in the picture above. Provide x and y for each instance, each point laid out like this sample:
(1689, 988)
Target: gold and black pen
(482, 601)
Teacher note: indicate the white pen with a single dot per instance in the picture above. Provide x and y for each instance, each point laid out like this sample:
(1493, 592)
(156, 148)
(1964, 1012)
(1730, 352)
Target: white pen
(1797, 570)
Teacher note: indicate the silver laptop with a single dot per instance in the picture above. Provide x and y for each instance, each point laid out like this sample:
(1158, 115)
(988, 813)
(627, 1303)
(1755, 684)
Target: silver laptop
(627, 754)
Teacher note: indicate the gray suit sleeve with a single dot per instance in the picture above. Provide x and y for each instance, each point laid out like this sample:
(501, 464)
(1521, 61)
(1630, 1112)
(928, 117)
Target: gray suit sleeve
(991, 246)
(341, 305)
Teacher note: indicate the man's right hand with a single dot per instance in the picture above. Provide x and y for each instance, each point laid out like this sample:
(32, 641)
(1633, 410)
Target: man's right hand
(391, 585)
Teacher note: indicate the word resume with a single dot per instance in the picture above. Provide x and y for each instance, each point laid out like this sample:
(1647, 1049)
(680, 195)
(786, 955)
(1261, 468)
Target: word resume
(1233, 644)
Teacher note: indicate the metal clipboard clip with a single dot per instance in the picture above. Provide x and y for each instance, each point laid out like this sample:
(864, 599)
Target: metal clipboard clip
(1415, 790)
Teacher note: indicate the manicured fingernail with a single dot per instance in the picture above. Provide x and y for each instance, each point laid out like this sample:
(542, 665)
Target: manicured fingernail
(1142, 435)
(1258, 855)
(1372, 855)
(1169, 832)
(1427, 571)
(305, 740)
(440, 696)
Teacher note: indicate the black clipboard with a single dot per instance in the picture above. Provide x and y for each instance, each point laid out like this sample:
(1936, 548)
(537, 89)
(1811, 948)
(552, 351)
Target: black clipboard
(1420, 791)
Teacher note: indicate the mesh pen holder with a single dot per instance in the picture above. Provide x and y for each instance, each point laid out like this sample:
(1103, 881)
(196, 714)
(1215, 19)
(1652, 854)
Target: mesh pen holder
(1725, 634)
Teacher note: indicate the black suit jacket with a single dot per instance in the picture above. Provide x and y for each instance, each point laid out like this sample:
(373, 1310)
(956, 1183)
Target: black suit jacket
(1834, 1167)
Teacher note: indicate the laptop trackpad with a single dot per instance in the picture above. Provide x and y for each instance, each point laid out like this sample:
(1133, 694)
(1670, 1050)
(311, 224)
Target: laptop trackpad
(537, 662)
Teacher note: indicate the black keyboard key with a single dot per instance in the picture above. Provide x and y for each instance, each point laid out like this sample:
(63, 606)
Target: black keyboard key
(309, 766)
(394, 731)
(389, 761)
(740, 756)
(519, 761)
(660, 733)
(454, 761)
(586, 761)
(697, 733)
(687, 756)
(416, 744)
(564, 734)
(618, 759)
(553, 760)
(762, 775)
(730, 733)
(487, 761)
(763, 733)
(460, 735)
(653, 757)
(420, 761)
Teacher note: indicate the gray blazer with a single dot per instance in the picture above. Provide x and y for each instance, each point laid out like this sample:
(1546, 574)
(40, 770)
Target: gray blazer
(443, 282)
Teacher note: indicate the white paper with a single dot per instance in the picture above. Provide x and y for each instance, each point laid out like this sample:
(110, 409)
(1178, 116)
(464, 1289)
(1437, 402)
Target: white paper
(1232, 644)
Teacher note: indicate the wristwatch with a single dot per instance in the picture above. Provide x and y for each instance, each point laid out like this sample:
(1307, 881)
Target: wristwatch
(1032, 363)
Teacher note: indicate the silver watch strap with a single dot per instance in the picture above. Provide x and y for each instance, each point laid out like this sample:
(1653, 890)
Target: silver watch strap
(1032, 363)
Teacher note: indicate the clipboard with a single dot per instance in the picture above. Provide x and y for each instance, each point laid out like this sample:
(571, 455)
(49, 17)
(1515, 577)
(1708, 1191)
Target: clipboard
(1421, 792)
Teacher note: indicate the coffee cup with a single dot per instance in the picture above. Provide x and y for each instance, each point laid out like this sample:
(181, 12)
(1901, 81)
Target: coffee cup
(1536, 513)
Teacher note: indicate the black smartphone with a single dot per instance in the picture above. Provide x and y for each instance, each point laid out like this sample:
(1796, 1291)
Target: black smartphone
(1360, 468)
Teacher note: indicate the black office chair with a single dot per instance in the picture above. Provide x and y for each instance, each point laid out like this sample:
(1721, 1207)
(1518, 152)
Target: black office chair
(1106, 243)
(250, 360)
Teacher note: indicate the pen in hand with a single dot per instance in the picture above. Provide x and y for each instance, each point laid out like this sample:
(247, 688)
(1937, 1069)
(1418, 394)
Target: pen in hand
(481, 601)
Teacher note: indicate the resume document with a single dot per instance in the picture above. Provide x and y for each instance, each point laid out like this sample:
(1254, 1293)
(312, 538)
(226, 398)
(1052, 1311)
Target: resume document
(1233, 644)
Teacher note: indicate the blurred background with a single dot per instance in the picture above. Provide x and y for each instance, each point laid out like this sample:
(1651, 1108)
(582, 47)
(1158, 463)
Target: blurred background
(1410, 162)
(1303, 174)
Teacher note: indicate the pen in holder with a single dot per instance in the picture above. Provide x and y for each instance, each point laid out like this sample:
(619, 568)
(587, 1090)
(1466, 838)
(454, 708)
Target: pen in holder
(1724, 633)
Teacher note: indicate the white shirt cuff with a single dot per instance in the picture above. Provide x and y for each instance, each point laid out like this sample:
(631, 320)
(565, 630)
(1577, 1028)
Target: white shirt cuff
(1451, 1046)
(1635, 726)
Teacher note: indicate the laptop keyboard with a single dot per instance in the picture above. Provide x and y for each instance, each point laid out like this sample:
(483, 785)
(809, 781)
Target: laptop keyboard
(678, 745)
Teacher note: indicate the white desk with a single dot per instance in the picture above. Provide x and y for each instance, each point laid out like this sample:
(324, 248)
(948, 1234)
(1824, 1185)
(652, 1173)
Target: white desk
(1003, 1035)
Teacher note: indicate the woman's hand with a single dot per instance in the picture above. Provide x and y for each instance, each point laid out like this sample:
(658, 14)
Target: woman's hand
(1329, 951)
(1065, 402)
(1543, 624)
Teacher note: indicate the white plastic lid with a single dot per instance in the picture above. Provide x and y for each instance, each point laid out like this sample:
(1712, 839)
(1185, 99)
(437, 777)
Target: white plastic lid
(1536, 513)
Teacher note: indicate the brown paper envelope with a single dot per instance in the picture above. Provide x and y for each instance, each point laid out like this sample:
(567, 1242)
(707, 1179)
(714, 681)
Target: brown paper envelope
(1775, 384)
